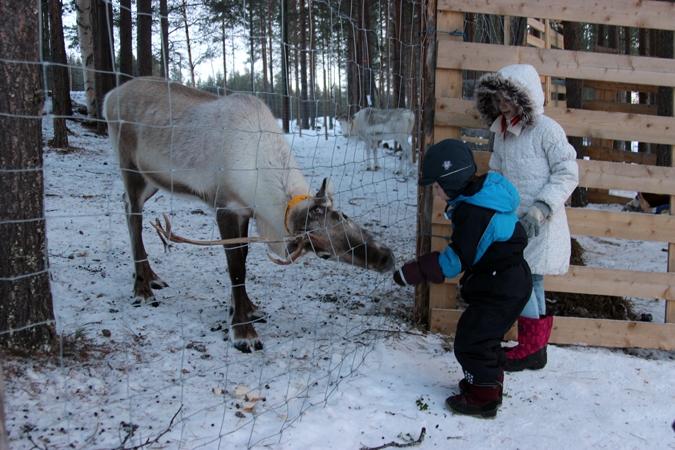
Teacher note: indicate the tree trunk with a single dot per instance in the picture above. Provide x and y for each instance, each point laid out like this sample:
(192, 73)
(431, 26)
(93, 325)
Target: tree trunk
(302, 49)
(664, 155)
(84, 30)
(187, 41)
(312, 69)
(572, 38)
(222, 30)
(284, 66)
(251, 46)
(397, 60)
(270, 34)
(61, 105)
(103, 45)
(263, 58)
(26, 308)
(144, 37)
(126, 42)
(164, 25)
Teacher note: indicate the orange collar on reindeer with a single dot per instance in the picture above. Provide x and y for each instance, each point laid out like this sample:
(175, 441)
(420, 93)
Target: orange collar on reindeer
(291, 204)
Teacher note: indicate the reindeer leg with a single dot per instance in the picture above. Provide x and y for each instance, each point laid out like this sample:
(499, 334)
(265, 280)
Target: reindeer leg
(242, 333)
(375, 150)
(137, 191)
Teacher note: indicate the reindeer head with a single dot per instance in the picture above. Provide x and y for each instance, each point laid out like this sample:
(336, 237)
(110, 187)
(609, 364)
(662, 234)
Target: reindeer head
(334, 236)
(345, 125)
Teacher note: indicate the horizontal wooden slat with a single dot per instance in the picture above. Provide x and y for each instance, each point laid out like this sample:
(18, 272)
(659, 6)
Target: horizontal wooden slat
(623, 107)
(558, 63)
(600, 281)
(572, 330)
(575, 122)
(622, 283)
(621, 225)
(611, 175)
(628, 13)
(632, 87)
(612, 155)
(629, 177)
(540, 43)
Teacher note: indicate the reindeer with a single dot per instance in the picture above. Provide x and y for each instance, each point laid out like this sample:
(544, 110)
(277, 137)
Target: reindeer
(230, 153)
(372, 125)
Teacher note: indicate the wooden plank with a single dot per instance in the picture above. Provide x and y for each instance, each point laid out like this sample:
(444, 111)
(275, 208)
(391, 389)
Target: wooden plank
(612, 155)
(475, 140)
(443, 296)
(629, 177)
(621, 225)
(575, 122)
(621, 283)
(631, 87)
(628, 108)
(611, 175)
(615, 282)
(628, 13)
(558, 63)
(448, 83)
(541, 43)
(578, 331)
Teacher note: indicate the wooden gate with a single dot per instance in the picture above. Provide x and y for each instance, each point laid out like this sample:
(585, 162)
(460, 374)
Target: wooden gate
(452, 113)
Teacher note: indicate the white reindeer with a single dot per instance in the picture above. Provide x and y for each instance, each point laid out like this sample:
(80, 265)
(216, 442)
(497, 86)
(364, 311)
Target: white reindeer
(230, 153)
(372, 125)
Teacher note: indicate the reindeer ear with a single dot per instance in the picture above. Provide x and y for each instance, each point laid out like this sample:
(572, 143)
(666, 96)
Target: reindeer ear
(327, 192)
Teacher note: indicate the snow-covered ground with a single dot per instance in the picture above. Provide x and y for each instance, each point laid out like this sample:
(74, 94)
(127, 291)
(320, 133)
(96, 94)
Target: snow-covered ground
(342, 367)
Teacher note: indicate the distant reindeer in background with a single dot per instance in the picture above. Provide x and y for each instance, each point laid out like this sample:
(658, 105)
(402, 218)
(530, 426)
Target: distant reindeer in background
(372, 125)
(230, 153)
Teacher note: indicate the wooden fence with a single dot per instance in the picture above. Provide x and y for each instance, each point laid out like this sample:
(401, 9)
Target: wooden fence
(452, 113)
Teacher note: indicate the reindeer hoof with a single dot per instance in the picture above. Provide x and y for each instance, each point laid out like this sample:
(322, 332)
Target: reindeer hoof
(258, 316)
(138, 301)
(242, 347)
(158, 284)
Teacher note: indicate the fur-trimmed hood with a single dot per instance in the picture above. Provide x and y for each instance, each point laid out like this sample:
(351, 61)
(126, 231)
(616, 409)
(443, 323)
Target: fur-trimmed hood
(519, 83)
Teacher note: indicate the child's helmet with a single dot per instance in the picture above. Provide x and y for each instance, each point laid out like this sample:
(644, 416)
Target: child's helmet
(451, 164)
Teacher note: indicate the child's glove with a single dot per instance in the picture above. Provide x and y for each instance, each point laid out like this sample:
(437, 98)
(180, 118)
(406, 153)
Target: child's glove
(426, 267)
(535, 218)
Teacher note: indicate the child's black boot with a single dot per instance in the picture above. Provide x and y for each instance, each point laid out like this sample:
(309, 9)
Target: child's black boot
(481, 400)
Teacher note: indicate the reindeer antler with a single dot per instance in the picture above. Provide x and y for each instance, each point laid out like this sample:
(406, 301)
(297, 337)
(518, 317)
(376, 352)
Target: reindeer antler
(300, 240)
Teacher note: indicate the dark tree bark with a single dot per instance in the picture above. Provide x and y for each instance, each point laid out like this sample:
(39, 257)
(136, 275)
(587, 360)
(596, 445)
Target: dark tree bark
(284, 19)
(26, 308)
(126, 42)
(105, 78)
(518, 31)
(572, 37)
(664, 155)
(164, 25)
(61, 104)
(144, 37)
(398, 68)
(251, 45)
(302, 49)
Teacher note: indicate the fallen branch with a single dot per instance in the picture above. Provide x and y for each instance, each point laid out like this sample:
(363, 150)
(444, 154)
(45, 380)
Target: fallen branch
(397, 445)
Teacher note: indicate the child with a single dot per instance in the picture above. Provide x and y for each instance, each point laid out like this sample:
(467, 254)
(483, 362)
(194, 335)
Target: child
(531, 150)
(487, 245)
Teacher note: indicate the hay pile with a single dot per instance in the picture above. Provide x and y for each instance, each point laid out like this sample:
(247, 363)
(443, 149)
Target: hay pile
(588, 305)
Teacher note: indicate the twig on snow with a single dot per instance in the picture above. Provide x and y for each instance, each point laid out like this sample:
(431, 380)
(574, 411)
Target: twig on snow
(397, 445)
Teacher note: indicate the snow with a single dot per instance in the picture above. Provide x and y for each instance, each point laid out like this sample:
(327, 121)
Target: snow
(342, 367)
